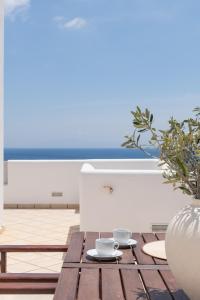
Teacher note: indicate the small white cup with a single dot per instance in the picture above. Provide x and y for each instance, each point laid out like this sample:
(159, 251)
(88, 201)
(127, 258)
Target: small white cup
(122, 236)
(106, 247)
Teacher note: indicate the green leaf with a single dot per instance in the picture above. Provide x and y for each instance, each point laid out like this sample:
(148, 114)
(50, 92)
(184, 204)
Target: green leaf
(184, 189)
(142, 130)
(147, 113)
(182, 166)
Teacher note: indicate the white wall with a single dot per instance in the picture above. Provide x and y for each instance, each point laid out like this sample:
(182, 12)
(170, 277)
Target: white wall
(1, 106)
(32, 182)
(138, 199)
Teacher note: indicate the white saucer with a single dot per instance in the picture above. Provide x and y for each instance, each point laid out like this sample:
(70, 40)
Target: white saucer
(131, 243)
(93, 253)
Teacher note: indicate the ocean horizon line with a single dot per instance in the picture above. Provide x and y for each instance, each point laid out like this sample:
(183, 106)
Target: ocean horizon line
(75, 153)
(146, 147)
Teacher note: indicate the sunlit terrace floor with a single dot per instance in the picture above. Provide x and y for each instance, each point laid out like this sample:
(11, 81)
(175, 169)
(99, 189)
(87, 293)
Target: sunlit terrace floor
(36, 226)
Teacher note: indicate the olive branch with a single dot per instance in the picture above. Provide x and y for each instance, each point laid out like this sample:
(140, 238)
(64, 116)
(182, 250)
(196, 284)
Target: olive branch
(179, 148)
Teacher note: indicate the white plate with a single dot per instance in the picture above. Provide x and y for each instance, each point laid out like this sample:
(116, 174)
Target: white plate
(93, 253)
(131, 243)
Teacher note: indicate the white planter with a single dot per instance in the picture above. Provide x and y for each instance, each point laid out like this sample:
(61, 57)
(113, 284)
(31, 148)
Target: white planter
(183, 249)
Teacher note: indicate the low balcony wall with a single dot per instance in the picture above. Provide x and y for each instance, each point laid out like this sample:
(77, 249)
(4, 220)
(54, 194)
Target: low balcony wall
(55, 181)
(134, 199)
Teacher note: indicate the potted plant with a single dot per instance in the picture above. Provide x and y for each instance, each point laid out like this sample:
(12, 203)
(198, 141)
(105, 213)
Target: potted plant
(179, 148)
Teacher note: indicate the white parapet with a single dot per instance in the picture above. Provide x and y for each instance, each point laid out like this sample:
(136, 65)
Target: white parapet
(55, 181)
(135, 199)
(42, 181)
(112, 193)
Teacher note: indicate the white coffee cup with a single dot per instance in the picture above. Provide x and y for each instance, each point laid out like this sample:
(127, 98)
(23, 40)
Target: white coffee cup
(106, 247)
(122, 236)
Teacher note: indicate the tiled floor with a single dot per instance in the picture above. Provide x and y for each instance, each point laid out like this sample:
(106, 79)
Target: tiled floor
(36, 226)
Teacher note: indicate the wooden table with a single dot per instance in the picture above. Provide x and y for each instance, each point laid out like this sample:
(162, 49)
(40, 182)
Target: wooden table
(136, 276)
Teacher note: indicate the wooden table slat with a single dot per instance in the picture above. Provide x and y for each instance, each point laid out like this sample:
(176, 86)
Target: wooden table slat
(89, 284)
(110, 265)
(90, 240)
(75, 247)
(106, 235)
(141, 257)
(148, 238)
(170, 282)
(67, 285)
(133, 287)
(155, 286)
(160, 236)
(111, 285)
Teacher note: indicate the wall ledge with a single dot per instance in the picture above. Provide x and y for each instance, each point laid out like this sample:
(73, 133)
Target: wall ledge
(41, 206)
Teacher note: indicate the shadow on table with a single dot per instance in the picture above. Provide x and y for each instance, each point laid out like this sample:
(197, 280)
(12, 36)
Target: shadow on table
(158, 294)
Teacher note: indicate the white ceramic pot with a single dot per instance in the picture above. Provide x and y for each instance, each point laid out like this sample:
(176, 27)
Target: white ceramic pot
(183, 249)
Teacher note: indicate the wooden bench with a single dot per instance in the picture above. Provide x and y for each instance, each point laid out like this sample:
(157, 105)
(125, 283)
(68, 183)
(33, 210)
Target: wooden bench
(27, 283)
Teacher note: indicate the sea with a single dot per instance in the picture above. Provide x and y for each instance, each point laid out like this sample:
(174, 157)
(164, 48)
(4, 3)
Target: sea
(76, 153)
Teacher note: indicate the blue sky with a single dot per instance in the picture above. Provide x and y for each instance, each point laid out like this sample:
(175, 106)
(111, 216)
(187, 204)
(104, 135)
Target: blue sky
(75, 68)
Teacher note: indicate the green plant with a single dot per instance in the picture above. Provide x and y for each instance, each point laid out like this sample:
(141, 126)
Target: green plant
(179, 148)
